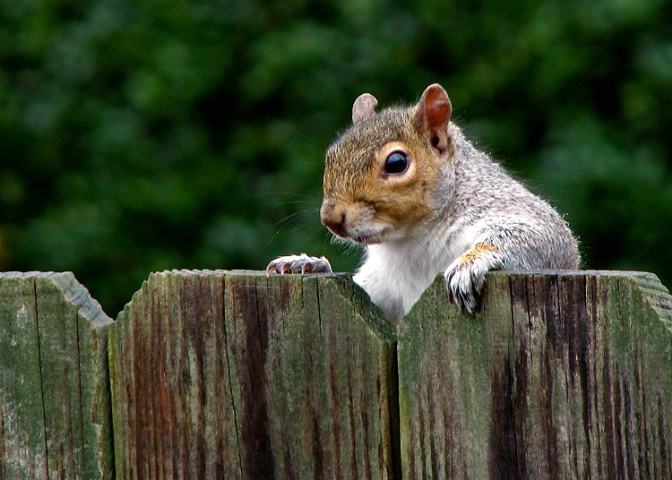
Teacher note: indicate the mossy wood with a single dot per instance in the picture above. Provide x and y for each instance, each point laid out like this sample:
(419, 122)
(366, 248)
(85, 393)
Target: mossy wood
(239, 375)
(562, 375)
(55, 417)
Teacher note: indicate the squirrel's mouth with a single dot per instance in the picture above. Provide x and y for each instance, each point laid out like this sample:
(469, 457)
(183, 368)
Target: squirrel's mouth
(362, 236)
(370, 239)
(360, 239)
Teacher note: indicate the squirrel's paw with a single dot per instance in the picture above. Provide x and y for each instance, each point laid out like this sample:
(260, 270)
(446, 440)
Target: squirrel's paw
(466, 275)
(299, 264)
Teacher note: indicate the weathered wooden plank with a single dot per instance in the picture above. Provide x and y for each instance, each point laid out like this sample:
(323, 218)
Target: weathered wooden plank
(448, 389)
(239, 375)
(563, 375)
(54, 393)
(236, 375)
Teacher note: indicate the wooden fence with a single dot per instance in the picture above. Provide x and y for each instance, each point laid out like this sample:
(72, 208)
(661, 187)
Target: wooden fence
(215, 374)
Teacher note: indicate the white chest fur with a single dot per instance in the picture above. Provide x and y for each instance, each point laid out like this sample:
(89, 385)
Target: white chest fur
(395, 274)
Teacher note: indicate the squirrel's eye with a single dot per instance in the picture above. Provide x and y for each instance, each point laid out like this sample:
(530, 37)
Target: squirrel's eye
(396, 162)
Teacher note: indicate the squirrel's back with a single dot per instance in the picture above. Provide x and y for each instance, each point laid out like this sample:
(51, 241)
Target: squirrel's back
(485, 195)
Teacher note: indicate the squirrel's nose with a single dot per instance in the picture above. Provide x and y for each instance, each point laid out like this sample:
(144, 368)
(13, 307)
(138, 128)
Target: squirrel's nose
(333, 218)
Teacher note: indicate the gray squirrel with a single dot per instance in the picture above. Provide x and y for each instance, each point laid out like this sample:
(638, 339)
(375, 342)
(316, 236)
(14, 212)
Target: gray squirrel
(408, 185)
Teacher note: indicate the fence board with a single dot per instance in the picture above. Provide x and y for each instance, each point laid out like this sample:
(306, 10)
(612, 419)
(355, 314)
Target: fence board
(239, 375)
(55, 417)
(563, 375)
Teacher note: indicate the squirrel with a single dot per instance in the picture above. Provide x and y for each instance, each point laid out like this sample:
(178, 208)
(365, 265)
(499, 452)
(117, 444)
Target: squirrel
(407, 185)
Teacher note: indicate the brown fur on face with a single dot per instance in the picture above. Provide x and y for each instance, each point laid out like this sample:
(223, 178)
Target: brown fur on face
(356, 184)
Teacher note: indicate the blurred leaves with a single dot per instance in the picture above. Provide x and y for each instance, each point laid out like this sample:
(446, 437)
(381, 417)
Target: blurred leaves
(138, 136)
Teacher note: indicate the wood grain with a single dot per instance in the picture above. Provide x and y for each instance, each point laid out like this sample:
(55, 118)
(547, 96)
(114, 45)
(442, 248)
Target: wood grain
(217, 374)
(239, 375)
(55, 417)
(563, 375)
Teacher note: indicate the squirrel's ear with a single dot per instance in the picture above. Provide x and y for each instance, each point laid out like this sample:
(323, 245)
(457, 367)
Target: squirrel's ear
(432, 114)
(363, 108)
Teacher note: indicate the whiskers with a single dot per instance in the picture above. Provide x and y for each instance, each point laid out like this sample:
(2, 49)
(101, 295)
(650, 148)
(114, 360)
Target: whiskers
(297, 220)
(346, 244)
(304, 217)
(304, 221)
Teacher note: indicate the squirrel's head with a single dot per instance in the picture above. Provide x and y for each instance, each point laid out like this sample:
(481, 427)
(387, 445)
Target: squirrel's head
(380, 175)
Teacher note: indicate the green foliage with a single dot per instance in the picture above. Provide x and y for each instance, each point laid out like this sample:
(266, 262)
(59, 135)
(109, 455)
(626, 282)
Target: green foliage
(139, 136)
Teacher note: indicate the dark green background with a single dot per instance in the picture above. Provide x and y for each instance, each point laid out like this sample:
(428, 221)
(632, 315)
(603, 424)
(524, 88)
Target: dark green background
(146, 135)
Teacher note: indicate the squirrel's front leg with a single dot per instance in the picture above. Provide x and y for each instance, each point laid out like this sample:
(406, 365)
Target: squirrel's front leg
(466, 275)
(299, 264)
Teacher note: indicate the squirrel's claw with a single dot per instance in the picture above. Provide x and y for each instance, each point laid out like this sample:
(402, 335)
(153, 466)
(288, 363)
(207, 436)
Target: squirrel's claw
(464, 284)
(303, 263)
(466, 275)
